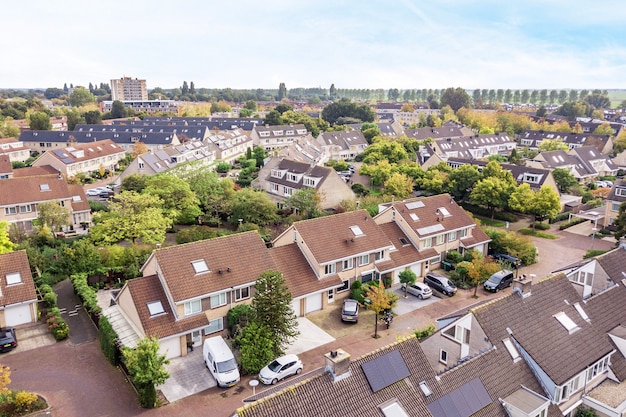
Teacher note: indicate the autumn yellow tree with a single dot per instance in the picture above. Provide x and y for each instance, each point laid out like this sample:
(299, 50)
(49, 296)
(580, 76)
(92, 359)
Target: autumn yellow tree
(139, 148)
(379, 301)
(479, 269)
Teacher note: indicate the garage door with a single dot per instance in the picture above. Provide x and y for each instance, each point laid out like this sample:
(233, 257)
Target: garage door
(295, 305)
(17, 315)
(417, 269)
(313, 303)
(170, 347)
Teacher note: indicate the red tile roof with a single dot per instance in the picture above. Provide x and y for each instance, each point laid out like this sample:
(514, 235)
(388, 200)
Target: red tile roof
(13, 262)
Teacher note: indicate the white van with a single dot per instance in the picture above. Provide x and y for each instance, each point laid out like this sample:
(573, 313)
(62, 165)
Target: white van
(220, 361)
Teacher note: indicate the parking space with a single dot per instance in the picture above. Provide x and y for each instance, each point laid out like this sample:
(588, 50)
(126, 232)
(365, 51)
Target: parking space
(310, 337)
(411, 302)
(188, 375)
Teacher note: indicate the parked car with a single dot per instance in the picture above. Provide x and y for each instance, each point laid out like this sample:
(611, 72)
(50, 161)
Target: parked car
(350, 310)
(221, 362)
(105, 193)
(8, 340)
(511, 260)
(440, 283)
(280, 368)
(499, 281)
(92, 192)
(419, 289)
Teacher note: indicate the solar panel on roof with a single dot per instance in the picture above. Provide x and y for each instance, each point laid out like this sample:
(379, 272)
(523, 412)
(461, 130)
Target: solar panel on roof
(385, 370)
(430, 229)
(462, 402)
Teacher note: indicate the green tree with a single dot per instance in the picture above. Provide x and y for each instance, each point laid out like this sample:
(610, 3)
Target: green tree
(455, 98)
(307, 201)
(147, 369)
(179, 201)
(385, 149)
(604, 129)
(378, 173)
(132, 216)
(81, 96)
(6, 245)
(53, 215)
(407, 277)
(547, 145)
(273, 118)
(564, 179)
(479, 269)
(39, 121)
(522, 198)
(491, 192)
(282, 92)
(620, 222)
(462, 180)
(257, 347)
(546, 203)
(271, 304)
(345, 108)
(379, 300)
(252, 207)
(399, 185)
(214, 194)
(118, 110)
(93, 117)
(134, 182)
(514, 244)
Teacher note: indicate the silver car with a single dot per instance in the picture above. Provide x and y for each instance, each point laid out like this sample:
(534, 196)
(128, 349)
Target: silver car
(280, 368)
(419, 289)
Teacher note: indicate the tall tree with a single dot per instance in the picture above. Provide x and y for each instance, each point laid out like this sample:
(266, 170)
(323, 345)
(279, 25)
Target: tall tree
(179, 201)
(252, 207)
(271, 304)
(332, 92)
(6, 245)
(380, 300)
(399, 185)
(53, 215)
(118, 110)
(81, 96)
(93, 117)
(455, 98)
(282, 92)
(147, 369)
(462, 180)
(564, 179)
(491, 192)
(39, 121)
(307, 201)
(547, 145)
(479, 269)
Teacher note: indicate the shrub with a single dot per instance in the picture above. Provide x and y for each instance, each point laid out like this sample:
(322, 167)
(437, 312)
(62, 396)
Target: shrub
(356, 291)
(196, 232)
(108, 341)
(560, 217)
(237, 318)
(57, 326)
(454, 256)
(50, 300)
(573, 222)
(23, 400)
(536, 233)
(86, 293)
(541, 226)
(485, 212)
(425, 332)
(591, 253)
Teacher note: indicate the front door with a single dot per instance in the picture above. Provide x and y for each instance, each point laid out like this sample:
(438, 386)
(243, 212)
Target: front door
(196, 337)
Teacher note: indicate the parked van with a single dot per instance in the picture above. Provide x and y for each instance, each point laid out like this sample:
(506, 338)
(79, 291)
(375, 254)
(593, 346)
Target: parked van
(221, 362)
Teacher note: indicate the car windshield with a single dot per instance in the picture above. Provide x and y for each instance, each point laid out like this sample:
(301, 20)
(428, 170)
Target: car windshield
(494, 280)
(349, 307)
(450, 283)
(226, 366)
(274, 366)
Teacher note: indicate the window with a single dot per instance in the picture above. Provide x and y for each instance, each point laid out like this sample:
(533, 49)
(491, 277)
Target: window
(141, 165)
(439, 240)
(379, 255)
(242, 293)
(14, 278)
(347, 264)
(364, 259)
(615, 206)
(597, 369)
(344, 287)
(200, 266)
(193, 307)
(461, 334)
(218, 300)
(292, 177)
(568, 323)
(403, 241)
(620, 191)
(274, 188)
(428, 242)
(582, 277)
(10, 210)
(356, 230)
(329, 269)
(451, 236)
(155, 308)
(214, 326)
(25, 209)
(443, 356)
(462, 233)
(331, 295)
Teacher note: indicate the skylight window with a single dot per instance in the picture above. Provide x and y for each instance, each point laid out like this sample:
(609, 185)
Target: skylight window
(568, 323)
(44, 187)
(14, 278)
(425, 389)
(155, 308)
(444, 211)
(414, 205)
(414, 217)
(582, 312)
(200, 266)
(512, 349)
(393, 409)
(356, 230)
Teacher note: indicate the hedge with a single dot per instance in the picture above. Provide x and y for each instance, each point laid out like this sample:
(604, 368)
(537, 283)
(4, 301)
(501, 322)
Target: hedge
(86, 293)
(485, 212)
(108, 341)
(571, 223)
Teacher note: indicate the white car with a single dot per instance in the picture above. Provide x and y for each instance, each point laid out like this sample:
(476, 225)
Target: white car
(419, 289)
(93, 192)
(280, 368)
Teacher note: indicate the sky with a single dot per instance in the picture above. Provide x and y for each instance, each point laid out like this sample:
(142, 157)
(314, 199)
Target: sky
(250, 44)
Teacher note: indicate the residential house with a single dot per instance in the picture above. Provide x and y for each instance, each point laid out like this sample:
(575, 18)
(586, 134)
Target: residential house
(584, 163)
(280, 178)
(448, 130)
(186, 290)
(472, 147)
(143, 106)
(20, 195)
(305, 150)
(277, 137)
(388, 129)
(339, 249)
(419, 114)
(432, 226)
(6, 168)
(184, 133)
(614, 199)
(342, 145)
(532, 139)
(44, 140)
(194, 153)
(14, 149)
(18, 296)
(228, 145)
(83, 158)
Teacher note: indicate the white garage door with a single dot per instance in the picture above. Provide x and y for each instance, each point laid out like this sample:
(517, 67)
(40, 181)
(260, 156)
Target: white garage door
(313, 303)
(17, 315)
(295, 305)
(417, 269)
(170, 348)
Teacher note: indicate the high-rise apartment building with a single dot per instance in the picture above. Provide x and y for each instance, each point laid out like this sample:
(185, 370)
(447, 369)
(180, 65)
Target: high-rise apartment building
(126, 89)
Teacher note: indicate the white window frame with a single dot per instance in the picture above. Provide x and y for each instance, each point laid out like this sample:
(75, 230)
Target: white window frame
(14, 278)
(428, 242)
(364, 259)
(346, 284)
(462, 233)
(242, 293)
(330, 269)
(26, 209)
(452, 236)
(439, 239)
(10, 210)
(443, 356)
(193, 307)
(214, 326)
(218, 300)
(347, 264)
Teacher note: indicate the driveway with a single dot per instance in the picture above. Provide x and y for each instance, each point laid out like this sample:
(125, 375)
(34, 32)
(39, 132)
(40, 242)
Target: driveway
(188, 376)
(310, 337)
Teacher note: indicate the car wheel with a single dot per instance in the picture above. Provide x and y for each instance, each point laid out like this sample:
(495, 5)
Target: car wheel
(497, 289)
(420, 296)
(298, 371)
(274, 381)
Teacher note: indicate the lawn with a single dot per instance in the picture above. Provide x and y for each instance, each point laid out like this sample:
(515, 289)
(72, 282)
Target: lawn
(537, 233)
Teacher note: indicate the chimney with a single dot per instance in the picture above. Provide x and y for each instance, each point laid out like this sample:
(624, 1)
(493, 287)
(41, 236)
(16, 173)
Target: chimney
(338, 364)
(522, 285)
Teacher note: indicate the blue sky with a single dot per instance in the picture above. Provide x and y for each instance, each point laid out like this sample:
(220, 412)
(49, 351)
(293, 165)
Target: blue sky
(556, 44)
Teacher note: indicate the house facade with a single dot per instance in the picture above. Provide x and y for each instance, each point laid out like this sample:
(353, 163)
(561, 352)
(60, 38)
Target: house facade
(14, 149)
(614, 199)
(277, 137)
(18, 297)
(342, 145)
